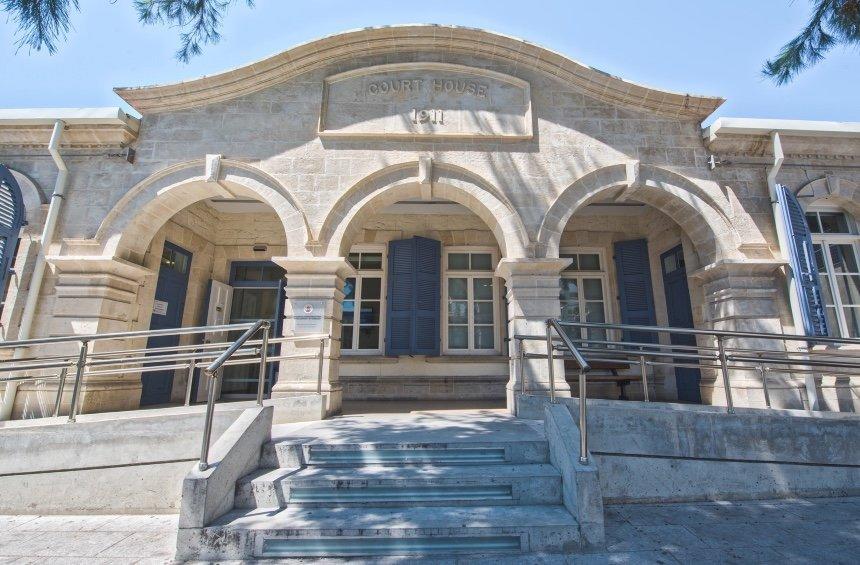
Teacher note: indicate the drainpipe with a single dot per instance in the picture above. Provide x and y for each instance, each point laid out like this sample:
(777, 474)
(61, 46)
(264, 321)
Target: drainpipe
(57, 198)
(783, 239)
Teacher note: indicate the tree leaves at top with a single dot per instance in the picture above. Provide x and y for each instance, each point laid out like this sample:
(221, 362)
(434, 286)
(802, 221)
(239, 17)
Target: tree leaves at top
(833, 22)
(43, 24)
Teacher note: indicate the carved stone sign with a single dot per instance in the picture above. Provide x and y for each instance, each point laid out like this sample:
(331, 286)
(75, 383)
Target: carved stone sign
(425, 100)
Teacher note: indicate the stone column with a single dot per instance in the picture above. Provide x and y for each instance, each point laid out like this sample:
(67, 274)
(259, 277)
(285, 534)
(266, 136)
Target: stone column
(91, 295)
(316, 279)
(744, 295)
(532, 297)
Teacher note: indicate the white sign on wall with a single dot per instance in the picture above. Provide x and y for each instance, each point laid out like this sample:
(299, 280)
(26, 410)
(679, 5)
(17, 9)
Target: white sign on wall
(159, 307)
(308, 316)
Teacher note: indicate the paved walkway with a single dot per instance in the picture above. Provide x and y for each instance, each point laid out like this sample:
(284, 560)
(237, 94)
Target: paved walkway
(796, 531)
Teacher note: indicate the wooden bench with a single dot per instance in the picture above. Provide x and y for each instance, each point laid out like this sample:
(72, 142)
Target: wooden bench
(572, 375)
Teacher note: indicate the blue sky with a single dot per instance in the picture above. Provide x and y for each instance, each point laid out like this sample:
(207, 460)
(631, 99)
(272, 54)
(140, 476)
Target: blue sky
(700, 47)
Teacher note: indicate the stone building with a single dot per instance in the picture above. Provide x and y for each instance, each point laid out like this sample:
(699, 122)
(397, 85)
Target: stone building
(434, 190)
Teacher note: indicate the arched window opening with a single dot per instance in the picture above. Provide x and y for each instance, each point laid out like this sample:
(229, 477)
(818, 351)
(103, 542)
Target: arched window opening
(11, 220)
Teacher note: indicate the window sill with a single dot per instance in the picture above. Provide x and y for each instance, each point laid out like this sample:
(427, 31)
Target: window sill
(358, 359)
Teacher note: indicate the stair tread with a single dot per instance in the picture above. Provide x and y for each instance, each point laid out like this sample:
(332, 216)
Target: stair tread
(370, 518)
(383, 472)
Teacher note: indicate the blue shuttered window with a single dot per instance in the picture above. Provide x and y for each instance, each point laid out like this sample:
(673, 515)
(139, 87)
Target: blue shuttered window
(802, 262)
(414, 273)
(635, 293)
(11, 220)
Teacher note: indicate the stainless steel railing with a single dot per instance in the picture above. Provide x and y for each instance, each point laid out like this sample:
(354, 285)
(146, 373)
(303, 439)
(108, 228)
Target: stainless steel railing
(87, 363)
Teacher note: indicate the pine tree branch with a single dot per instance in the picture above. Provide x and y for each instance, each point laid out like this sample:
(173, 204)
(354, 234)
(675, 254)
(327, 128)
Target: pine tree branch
(41, 23)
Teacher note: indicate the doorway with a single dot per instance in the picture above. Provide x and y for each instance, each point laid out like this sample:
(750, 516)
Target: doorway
(167, 310)
(680, 315)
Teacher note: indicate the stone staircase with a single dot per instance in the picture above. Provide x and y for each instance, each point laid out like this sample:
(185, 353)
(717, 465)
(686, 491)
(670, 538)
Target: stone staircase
(478, 496)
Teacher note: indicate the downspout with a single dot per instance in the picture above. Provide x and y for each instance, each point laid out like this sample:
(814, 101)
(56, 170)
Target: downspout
(29, 314)
(782, 238)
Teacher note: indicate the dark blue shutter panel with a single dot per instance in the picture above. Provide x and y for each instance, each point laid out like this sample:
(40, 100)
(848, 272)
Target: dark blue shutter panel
(428, 258)
(401, 274)
(11, 219)
(802, 262)
(634, 288)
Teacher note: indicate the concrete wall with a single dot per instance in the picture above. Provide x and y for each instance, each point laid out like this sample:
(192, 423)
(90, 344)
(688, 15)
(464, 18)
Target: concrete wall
(665, 452)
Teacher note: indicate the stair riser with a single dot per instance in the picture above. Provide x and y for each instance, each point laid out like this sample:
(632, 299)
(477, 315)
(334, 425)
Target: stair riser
(525, 490)
(216, 543)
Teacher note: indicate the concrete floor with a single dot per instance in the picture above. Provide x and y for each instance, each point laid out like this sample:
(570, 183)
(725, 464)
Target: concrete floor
(777, 532)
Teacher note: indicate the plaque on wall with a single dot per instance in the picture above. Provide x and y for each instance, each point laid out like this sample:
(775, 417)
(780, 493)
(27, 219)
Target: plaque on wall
(420, 100)
(308, 316)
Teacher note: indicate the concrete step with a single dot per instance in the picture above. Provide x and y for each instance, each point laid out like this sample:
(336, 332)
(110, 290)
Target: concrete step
(369, 532)
(425, 485)
(288, 454)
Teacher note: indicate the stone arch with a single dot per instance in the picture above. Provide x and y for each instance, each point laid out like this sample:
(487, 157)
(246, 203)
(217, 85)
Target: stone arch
(129, 227)
(695, 211)
(401, 181)
(33, 199)
(833, 191)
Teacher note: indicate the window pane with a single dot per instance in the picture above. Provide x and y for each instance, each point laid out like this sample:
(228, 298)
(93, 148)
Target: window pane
(592, 289)
(458, 261)
(458, 337)
(574, 265)
(849, 289)
(348, 311)
(669, 264)
(812, 221)
(273, 273)
(482, 262)
(594, 312)
(832, 322)
(484, 337)
(369, 312)
(483, 312)
(349, 289)
(569, 289)
(458, 312)
(371, 261)
(570, 311)
(371, 287)
(833, 222)
(346, 337)
(852, 319)
(819, 258)
(180, 263)
(368, 337)
(457, 288)
(826, 294)
(843, 258)
(482, 289)
(589, 262)
(355, 259)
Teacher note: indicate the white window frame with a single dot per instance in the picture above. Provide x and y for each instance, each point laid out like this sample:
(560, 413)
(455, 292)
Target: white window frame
(383, 292)
(602, 274)
(827, 239)
(497, 286)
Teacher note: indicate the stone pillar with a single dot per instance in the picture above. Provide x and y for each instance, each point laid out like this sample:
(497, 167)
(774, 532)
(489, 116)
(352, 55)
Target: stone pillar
(532, 297)
(313, 279)
(743, 295)
(91, 295)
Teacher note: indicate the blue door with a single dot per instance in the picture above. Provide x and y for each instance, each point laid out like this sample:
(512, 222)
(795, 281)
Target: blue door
(680, 315)
(635, 294)
(166, 314)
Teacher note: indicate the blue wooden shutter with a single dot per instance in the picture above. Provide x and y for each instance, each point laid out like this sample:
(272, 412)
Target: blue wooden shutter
(401, 276)
(634, 288)
(425, 333)
(802, 262)
(11, 219)
(412, 312)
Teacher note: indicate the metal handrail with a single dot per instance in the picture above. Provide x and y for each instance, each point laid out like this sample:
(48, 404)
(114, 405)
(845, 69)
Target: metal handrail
(584, 367)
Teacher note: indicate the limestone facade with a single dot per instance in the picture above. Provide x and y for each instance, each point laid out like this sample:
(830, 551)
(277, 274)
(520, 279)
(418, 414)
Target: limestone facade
(342, 140)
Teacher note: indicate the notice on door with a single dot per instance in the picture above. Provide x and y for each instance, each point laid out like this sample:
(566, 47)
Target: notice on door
(159, 307)
(308, 316)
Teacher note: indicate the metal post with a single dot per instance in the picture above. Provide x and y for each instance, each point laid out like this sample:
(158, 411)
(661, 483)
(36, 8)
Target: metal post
(192, 365)
(320, 368)
(79, 378)
(60, 385)
(763, 371)
(724, 367)
(207, 425)
(583, 421)
(520, 359)
(550, 361)
(264, 358)
(644, 369)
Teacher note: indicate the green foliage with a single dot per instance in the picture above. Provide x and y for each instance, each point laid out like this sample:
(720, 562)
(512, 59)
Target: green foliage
(833, 22)
(42, 24)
